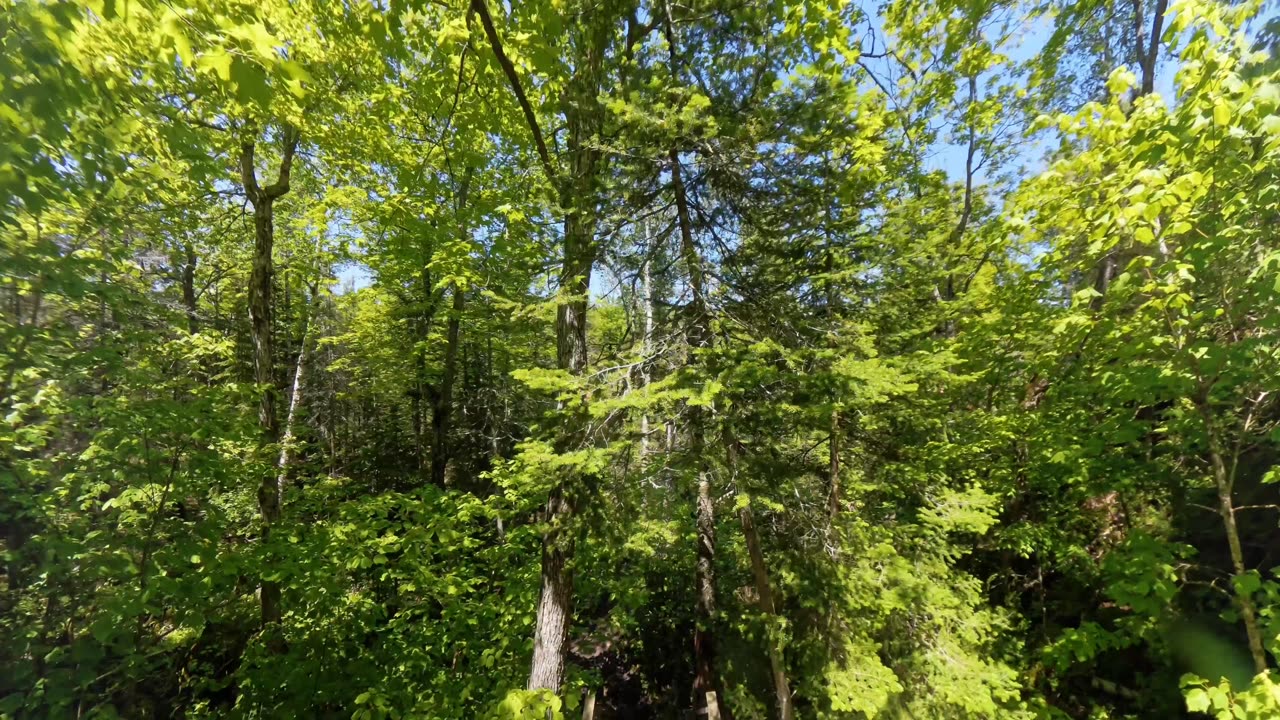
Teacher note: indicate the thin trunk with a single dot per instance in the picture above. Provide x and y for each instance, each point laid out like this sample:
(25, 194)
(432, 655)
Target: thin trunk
(589, 705)
(424, 398)
(18, 353)
(287, 444)
(764, 595)
(704, 650)
(444, 397)
(153, 532)
(331, 402)
(1147, 57)
(706, 679)
(1102, 280)
(415, 404)
(646, 344)
(1151, 57)
(263, 199)
(189, 290)
(833, 477)
(1224, 482)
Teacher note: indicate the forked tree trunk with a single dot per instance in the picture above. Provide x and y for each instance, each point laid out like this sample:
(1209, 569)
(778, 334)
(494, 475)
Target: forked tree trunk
(260, 326)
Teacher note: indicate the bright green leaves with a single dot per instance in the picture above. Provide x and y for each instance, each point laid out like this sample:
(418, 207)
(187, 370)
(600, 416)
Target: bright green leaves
(968, 510)
(175, 27)
(216, 63)
(1221, 701)
(1221, 112)
(258, 39)
(528, 705)
(1121, 81)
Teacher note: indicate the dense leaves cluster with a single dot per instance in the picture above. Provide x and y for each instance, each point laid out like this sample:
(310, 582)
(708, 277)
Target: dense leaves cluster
(639, 359)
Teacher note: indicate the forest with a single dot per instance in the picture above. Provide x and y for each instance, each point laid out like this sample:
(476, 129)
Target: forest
(622, 359)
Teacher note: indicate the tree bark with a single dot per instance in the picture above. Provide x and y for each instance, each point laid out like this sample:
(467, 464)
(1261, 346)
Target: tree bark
(583, 116)
(646, 344)
(555, 602)
(1150, 58)
(555, 606)
(707, 700)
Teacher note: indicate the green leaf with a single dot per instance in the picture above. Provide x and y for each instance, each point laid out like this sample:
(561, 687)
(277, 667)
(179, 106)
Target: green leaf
(1248, 583)
(1221, 113)
(218, 62)
(1197, 700)
(250, 83)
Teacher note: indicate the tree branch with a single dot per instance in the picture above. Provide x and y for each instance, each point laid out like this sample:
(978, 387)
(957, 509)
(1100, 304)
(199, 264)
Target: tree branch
(248, 176)
(481, 8)
(281, 185)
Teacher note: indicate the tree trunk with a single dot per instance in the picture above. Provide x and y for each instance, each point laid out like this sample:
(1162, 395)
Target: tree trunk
(706, 679)
(415, 409)
(555, 606)
(287, 445)
(263, 375)
(189, 289)
(646, 344)
(1224, 481)
(555, 603)
(444, 398)
(260, 326)
(764, 595)
(1150, 58)
(833, 479)
(707, 701)
(576, 191)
